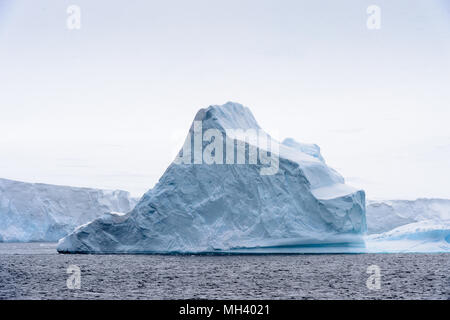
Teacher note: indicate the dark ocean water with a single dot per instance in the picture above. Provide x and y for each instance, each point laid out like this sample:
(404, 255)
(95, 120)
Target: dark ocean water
(36, 271)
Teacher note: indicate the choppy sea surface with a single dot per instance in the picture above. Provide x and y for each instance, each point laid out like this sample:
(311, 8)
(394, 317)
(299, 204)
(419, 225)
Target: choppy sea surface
(36, 271)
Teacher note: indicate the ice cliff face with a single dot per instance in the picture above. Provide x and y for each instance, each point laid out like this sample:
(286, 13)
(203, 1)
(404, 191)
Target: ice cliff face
(287, 200)
(42, 212)
(386, 215)
(421, 225)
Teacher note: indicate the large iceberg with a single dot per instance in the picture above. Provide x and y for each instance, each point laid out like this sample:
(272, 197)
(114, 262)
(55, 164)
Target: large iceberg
(421, 225)
(235, 194)
(43, 212)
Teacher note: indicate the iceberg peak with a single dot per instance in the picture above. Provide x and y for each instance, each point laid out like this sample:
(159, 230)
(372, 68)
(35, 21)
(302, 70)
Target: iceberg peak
(231, 115)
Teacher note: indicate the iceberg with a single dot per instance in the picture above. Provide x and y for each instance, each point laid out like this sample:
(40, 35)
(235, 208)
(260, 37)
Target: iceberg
(43, 212)
(421, 225)
(385, 215)
(227, 191)
(423, 236)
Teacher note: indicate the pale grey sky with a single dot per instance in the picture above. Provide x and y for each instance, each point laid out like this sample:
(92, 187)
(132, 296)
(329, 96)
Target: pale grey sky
(105, 106)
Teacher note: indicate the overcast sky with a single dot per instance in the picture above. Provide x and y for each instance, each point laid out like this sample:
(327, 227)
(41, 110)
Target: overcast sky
(105, 106)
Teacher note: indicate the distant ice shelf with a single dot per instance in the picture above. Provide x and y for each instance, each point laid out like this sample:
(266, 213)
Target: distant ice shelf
(423, 236)
(43, 212)
(421, 225)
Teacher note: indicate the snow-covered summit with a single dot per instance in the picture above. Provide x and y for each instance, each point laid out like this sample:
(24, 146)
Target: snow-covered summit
(231, 115)
(200, 206)
(44, 212)
(325, 182)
